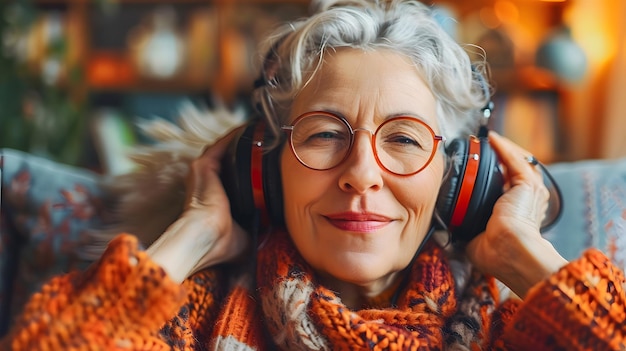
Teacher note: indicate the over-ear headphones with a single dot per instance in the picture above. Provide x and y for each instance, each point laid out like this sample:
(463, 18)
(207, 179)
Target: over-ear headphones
(251, 177)
(474, 181)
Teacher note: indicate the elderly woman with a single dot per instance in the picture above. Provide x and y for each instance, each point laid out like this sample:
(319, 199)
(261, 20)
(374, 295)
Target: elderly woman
(359, 96)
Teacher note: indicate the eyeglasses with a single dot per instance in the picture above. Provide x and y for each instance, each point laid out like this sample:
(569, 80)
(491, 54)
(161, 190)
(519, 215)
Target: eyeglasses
(402, 145)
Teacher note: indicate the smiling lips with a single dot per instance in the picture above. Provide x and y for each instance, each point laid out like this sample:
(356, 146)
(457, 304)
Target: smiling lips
(358, 222)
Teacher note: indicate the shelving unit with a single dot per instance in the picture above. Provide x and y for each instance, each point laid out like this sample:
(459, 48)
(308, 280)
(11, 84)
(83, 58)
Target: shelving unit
(98, 30)
(111, 53)
(211, 33)
(97, 64)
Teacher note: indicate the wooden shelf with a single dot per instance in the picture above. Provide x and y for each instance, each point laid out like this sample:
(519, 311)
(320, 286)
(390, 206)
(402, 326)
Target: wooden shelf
(173, 2)
(524, 79)
(173, 85)
(237, 26)
(90, 39)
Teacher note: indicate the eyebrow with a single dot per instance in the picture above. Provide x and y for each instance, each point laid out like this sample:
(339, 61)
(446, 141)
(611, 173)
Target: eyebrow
(408, 114)
(393, 115)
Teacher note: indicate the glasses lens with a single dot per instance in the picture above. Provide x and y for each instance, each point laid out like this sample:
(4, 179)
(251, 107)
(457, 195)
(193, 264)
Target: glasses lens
(319, 141)
(404, 145)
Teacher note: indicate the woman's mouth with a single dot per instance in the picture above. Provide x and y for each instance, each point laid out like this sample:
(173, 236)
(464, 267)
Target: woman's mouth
(358, 222)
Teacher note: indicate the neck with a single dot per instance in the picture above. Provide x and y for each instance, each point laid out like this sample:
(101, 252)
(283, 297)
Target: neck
(377, 294)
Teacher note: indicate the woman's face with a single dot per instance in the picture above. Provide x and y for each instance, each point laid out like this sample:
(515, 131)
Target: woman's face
(357, 222)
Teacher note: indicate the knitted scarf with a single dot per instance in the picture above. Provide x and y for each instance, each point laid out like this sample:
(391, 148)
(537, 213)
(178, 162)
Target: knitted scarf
(299, 314)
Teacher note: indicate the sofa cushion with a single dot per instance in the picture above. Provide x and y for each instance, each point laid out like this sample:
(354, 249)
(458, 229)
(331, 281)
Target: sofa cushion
(594, 212)
(47, 210)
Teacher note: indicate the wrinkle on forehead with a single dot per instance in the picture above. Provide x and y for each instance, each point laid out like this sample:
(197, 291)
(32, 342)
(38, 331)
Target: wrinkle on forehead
(355, 81)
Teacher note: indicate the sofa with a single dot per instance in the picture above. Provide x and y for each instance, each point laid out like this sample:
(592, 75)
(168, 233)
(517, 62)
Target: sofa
(48, 212)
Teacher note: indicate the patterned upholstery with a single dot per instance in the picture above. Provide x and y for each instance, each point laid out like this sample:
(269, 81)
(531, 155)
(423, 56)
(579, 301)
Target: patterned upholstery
(47, 210)
(594, 200)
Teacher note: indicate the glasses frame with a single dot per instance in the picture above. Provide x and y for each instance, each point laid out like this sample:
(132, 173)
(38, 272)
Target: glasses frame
(436, 139)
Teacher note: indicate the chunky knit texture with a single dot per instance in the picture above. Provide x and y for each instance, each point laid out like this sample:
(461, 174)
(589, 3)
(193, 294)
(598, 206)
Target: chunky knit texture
(126, 302)
(301, 312)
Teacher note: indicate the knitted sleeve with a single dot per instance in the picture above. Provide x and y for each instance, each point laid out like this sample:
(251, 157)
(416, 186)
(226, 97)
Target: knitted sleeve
(120, 302)
(581, 307)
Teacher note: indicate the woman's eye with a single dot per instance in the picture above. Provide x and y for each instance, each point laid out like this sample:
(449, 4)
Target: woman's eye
(402, 139)
(324, 135)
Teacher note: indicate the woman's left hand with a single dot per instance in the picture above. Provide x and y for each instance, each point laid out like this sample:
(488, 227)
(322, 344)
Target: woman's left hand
(205, 234)
(512, 248)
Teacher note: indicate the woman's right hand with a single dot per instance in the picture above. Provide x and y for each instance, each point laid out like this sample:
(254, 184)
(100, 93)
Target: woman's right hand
(205, 234)
(512, 248)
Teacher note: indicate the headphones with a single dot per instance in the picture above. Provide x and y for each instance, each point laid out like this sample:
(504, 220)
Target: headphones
(470, 189)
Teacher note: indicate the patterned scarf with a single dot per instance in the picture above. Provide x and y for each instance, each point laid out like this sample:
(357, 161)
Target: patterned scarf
(300, 314)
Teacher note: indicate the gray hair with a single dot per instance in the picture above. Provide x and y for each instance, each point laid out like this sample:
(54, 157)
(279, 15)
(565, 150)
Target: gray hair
(296, 50)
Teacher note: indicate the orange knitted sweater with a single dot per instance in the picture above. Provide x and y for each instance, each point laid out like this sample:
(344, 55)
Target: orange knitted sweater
(126, 302)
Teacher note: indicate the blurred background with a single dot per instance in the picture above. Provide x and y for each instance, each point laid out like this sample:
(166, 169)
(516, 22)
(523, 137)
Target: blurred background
(77, 75)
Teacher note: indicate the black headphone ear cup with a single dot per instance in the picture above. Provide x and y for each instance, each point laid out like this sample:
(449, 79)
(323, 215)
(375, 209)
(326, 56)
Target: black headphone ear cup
(473, 184)
(273, 188)
(456, 153)
(235, 176)
(487, 189)
(251, 177)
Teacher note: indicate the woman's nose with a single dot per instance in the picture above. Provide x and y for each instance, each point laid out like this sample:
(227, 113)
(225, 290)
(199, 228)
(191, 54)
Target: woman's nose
(360, 170)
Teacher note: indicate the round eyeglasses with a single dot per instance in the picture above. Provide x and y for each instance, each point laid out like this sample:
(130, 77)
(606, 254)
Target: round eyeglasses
(402, 145)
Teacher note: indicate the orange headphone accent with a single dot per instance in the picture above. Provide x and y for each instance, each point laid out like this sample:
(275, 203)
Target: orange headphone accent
(256, 167)
(467, 184)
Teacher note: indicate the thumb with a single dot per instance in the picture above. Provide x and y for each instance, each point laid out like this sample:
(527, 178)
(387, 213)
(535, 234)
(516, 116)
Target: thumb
(204, 186)
(217, 150)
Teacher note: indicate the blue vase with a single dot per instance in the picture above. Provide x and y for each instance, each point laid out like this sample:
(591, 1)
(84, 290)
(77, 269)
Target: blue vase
(561, 55)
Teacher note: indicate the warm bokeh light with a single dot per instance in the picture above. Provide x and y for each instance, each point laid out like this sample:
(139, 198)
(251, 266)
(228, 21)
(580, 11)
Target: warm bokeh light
(506, 11)
(488, 17)
(593, 25)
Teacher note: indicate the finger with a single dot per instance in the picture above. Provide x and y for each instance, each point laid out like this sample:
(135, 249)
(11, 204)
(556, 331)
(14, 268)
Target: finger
(203, 175)
(515, 158)
(522, 169)
(207, 191)
(211, 156)
(219, 147)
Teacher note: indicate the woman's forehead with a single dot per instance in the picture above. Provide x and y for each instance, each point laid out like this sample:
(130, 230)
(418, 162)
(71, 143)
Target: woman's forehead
(353, 82)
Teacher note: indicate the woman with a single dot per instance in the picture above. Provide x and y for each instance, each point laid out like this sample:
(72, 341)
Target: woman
(353, 267)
